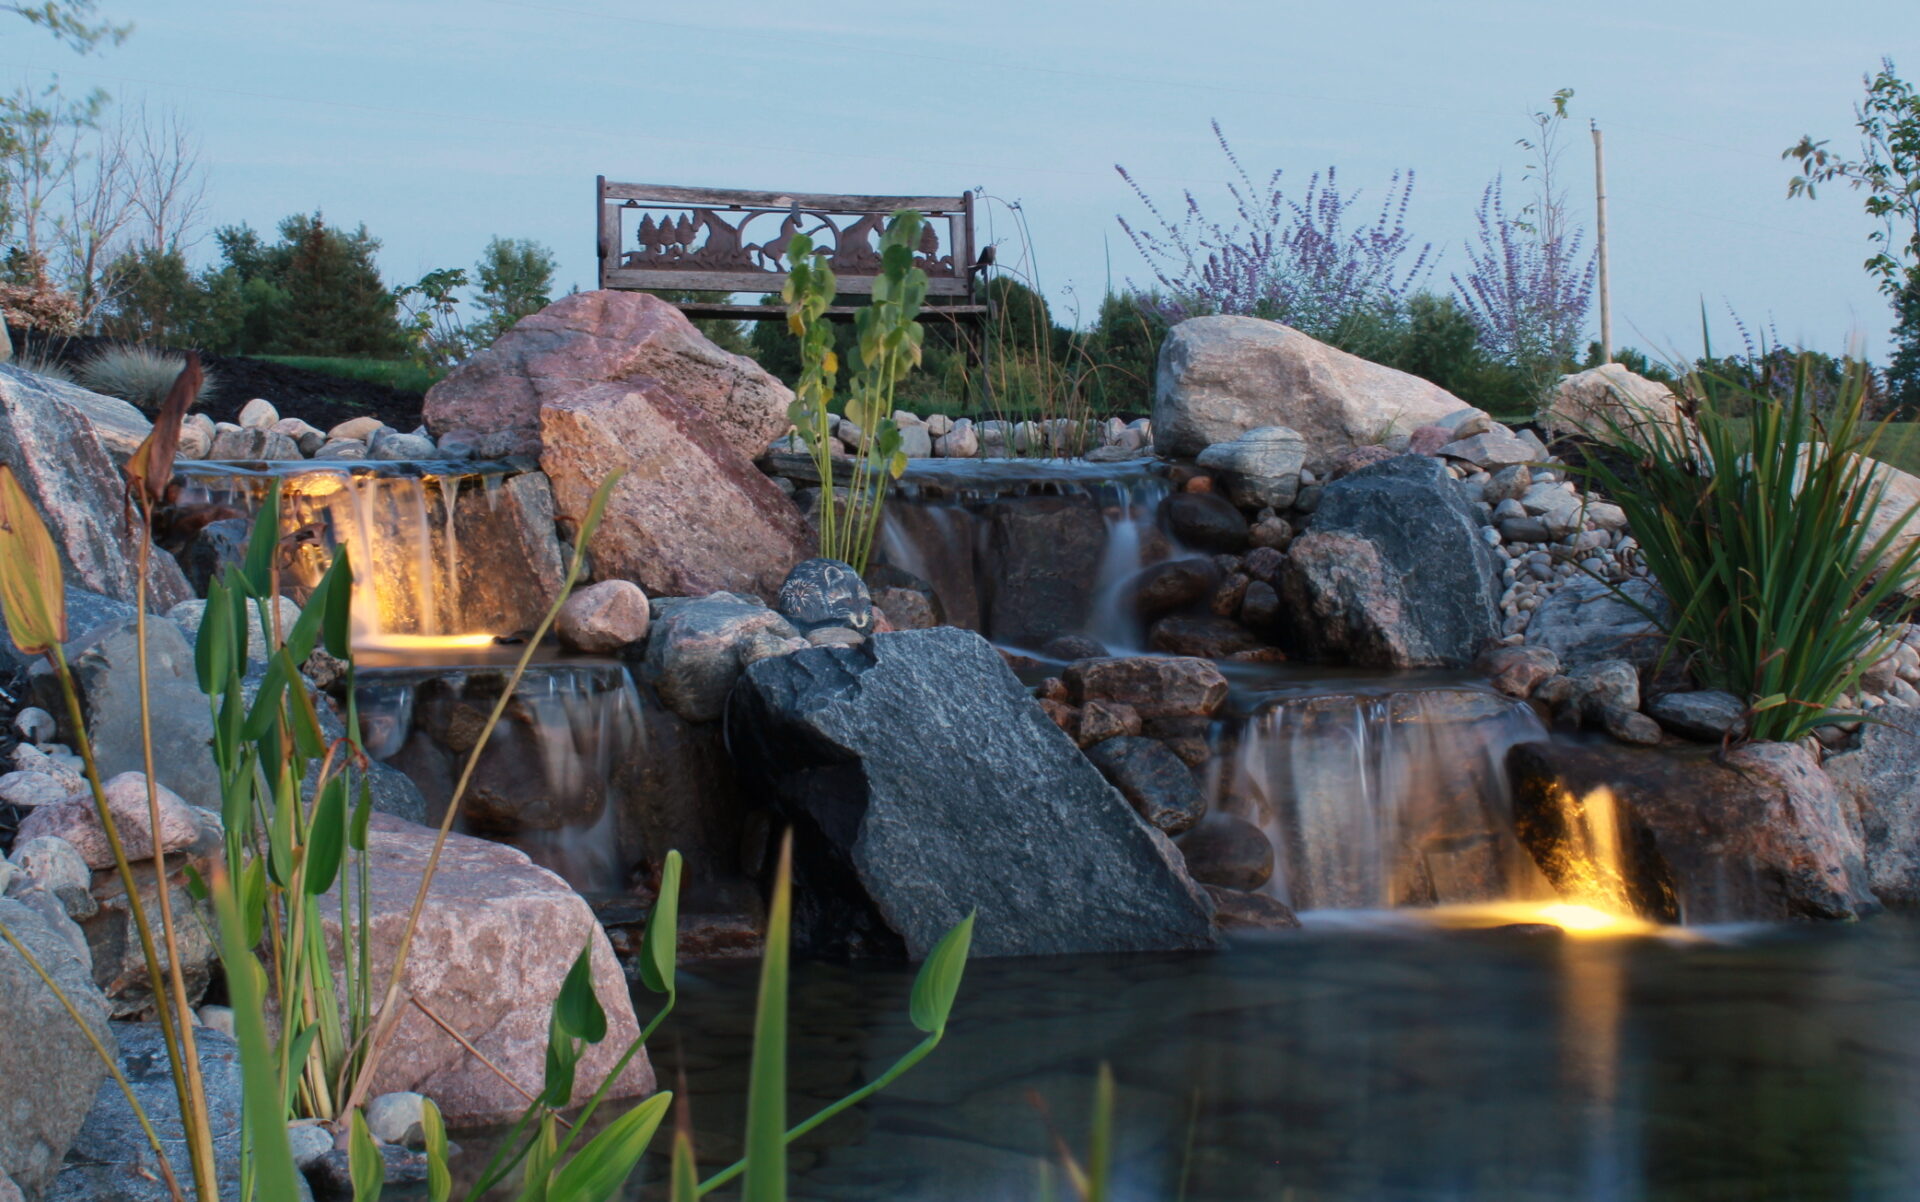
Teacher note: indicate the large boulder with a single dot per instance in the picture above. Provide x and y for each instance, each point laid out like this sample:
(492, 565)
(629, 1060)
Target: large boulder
(57, 453)
(496, 939)
(1609, 402)
(692, 516)
(700, 645)
(493, 400)
(1220, 377)
(111, 1159)
(510, 564)
(1393, 572)
(1881, 779)
(924, 784)
(1762, 834)
(49, 1070)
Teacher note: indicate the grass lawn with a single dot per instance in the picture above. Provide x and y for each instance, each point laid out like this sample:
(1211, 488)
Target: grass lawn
(402, 374)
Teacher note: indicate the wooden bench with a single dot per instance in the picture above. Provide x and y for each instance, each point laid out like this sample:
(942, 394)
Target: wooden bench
(657, 236)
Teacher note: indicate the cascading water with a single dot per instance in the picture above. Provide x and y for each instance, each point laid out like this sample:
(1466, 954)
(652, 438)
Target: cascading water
(1382, 798)
(406, 528)
(1027, 550)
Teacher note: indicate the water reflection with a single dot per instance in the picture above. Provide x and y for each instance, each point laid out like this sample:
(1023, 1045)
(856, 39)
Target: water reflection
(1352, 1063)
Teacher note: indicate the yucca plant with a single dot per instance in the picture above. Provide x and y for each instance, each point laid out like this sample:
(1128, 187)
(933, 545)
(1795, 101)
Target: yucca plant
(1774, 536)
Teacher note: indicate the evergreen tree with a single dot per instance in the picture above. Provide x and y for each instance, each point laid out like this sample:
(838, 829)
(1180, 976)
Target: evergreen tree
(336, 303)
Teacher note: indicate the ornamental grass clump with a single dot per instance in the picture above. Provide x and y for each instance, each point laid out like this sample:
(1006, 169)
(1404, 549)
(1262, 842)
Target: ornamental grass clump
(1780, 543)
(139, 376)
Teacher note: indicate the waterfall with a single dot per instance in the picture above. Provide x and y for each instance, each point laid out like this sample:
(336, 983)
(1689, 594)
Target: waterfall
(1374, 800)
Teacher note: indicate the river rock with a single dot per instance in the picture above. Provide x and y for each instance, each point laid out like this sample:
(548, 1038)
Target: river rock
(699, 647)
(1392, 572)
(493, 400)
(496, 939)
(1705, 715)
(1762, 836)
(1493, 450)
(692, 515)
(1229, 852)
(1205, 637)
(1585, 621)
(924, 783)
(825, 592)
(510, 564)
(1609, 402)
(1219, 377)
(111, 1158)
(1517, 671)
(1238, 910)
(1170, 585)
(1154, 686)
(1153, 780)
(77, 821)
(1204, 522)
(50, 1070)
(211, 549)
(1261, 467)
(603, 617)
(1881, 779)
(358, 429)
(64, 467)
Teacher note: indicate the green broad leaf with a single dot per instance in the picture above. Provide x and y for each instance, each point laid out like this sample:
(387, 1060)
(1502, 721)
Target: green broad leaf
(563, 1055)
(362, 816)
(1773, 701)
(597, 1171)
(336, 621)
(660, 944)
(536, 1177)
(253, 897)
(213, 645)
(262, 545)
(266, 703)
(577, 1010)
(364, 1163)
(939, 980)
(439, 1177)
(326, 840)
(766, 1137)
(280, 862)
(297, 1055)
(196, 884)
(308, 739)
(32, 591)
(271, 1156)
(897, 466)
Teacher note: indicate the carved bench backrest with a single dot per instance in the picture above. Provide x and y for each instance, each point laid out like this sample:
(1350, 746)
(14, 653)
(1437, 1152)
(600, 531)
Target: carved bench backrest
(732, 240)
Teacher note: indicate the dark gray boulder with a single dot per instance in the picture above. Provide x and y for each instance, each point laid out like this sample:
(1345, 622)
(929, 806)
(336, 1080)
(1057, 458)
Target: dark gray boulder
(86, 613)
(924, 783)
(49, 1073)
(1393, 571)
(1155, 781)
(1205, 521)
(1586, 621)
(1041, 563)
(111, 1160)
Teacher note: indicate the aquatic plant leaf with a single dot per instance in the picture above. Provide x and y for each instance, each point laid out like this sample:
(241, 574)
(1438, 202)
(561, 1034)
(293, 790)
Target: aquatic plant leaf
(364, 1163)
(336, 618)
(766, 1138)
(297, 1051)
(362, 816)
(213, 645)
(598, 1171)
(684, 1175)
(150, 468)
(434, 1128)
(939, 980)
(540, 1157)
(32, 585)
(660, 944)
(327, 838)
(576, 1009)
(262, 545)
(563, 1054)
(265, 1119)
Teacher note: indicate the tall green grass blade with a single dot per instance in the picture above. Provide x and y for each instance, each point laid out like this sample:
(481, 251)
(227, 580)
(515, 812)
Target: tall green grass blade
(766, 1137)
(598, 1171)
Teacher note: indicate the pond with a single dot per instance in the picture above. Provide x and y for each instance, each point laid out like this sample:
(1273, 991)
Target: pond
(1362, 1058)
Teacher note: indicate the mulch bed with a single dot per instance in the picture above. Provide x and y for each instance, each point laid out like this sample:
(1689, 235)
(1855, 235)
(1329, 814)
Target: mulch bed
(323, 400)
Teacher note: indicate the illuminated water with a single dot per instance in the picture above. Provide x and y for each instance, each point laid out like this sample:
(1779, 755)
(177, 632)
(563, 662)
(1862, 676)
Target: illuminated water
(1357, 1060)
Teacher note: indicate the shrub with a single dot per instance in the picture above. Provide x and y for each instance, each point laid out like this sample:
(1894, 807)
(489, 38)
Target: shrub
(138, 375)
(1755, 522)
(154, 297)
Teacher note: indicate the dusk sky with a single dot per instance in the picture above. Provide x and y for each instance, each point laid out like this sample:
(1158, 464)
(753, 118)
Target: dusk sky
(440, 124)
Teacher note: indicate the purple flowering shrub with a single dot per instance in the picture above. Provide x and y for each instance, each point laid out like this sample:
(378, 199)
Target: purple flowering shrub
(1528, 286)
(1311, 261)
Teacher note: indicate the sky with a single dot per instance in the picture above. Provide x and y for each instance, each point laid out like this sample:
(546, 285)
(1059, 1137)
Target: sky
(440, 124)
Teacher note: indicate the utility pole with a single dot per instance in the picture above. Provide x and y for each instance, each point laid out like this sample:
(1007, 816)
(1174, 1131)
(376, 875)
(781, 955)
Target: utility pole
(1600, 239)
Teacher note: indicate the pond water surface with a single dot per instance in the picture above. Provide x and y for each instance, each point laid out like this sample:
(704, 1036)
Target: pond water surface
(1362, 1058)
